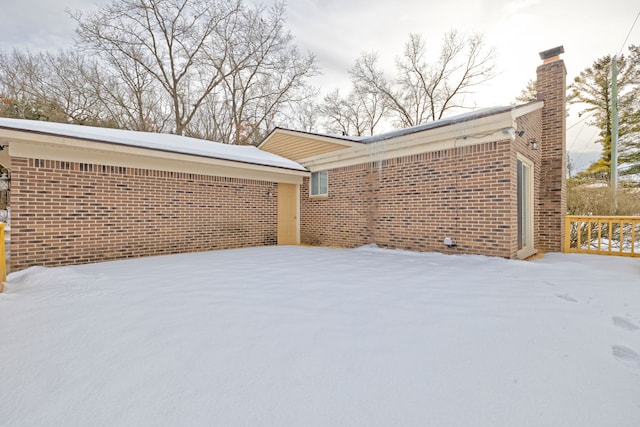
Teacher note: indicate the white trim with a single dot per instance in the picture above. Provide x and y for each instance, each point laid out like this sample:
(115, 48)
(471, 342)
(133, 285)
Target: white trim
(73, 150)
(473, 132)
(521, 110)
(489, 128)
(37, 130)
(528, 248)
(298, 224)
(319, 195)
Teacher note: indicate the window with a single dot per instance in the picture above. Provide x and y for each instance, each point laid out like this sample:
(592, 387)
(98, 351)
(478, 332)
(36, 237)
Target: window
(525, 208)
(319, 183)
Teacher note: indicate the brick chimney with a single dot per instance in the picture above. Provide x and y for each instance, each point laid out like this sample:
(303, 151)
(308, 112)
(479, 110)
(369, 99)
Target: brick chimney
(551, 88)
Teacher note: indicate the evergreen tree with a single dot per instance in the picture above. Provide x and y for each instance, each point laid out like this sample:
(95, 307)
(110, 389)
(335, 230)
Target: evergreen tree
(592, 88)
(529, 93)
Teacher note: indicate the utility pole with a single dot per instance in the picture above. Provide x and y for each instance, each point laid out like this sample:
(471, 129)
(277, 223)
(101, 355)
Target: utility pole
(614, 133)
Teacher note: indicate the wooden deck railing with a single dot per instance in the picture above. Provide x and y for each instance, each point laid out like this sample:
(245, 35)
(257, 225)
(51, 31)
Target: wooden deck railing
(603, 235)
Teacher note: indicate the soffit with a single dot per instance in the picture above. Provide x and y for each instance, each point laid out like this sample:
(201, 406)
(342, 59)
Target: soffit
(295, 145)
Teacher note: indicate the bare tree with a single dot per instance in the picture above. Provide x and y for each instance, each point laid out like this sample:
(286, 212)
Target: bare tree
(337, 117)
(359, 113)
(55, 86)
(424, 91)
(67, 78)
(343, 115)
(305, 115)
(224, 68)
(372, 105)
(180, 43)
(18, 100)
(129, 95)
(259, 92)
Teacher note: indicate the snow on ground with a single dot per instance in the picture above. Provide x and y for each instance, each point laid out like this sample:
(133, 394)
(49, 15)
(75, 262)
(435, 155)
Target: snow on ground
(296, 336)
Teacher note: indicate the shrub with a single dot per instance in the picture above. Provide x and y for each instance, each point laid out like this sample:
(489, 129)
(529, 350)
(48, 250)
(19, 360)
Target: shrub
(598, 200)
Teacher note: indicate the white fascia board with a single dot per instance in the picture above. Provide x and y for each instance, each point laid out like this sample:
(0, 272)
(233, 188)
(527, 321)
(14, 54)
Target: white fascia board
(49, 147)
(486, 129)
(527, 108)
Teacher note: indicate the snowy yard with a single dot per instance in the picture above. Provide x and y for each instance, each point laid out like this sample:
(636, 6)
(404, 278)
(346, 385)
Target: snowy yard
(296, 336)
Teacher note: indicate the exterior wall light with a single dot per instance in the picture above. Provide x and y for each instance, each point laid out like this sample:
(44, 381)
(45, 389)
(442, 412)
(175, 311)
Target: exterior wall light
(5, 181)
(509, 131)
(512, 132)
(534, 144)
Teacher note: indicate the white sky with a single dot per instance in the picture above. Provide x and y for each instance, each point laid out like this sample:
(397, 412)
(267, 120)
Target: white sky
(337, 31)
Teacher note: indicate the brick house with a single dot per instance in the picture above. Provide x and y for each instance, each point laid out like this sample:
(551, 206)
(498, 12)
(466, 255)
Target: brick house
(487, 182)
(82, 194)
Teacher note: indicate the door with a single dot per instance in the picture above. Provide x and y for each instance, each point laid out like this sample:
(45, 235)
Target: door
(288, 206)
(525, 207)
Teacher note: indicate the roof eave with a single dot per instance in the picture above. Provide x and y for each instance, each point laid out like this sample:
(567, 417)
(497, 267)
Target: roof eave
(491, 127)
(15, 132)
(523, 109)
(334, 139)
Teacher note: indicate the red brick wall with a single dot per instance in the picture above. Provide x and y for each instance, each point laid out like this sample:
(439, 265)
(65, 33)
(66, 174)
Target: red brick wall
(461, 193)
(72, 213)
(468, 194)
(551, 84)
(343, 218)
(414, 202)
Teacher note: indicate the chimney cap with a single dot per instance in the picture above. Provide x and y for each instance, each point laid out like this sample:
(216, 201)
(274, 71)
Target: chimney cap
(551, 53)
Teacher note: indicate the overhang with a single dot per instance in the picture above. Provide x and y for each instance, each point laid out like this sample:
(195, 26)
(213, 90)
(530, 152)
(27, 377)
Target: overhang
(296, 145)
(493, 124)
(194, 157)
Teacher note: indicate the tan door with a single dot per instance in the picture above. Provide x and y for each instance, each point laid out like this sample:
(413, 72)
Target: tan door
(288, 214)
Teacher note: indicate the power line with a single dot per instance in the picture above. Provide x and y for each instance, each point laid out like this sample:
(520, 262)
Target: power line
(581, 120)
(585, 141)
(629, 33)
(576, 137)
(590, 140)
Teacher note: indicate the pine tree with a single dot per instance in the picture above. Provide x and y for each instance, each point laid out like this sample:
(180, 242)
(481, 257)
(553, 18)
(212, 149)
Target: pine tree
(529, 93)
(592, 88)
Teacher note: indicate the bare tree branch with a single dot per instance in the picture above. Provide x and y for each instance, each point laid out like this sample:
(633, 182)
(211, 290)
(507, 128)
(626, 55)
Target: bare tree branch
(424, 91)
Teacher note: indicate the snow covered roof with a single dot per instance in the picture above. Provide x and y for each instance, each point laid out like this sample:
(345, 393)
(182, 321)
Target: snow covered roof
(471, 115)
(154, 141)
(307, 147)
(464, 117)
